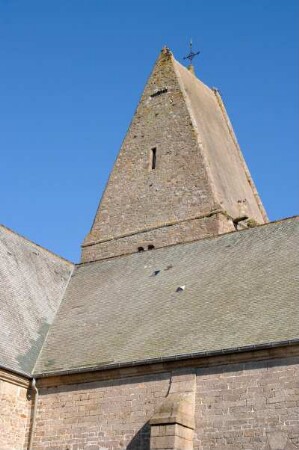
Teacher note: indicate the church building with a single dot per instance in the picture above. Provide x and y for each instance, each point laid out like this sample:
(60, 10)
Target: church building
(179, 328)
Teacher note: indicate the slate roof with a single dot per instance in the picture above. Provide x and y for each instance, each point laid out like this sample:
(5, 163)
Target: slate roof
(32, 284)
(238, 289)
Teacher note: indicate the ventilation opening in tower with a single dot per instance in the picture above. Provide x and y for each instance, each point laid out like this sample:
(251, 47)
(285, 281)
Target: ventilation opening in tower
(153, 158)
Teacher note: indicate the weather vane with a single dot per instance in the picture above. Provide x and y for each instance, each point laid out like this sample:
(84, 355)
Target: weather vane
(192, 54)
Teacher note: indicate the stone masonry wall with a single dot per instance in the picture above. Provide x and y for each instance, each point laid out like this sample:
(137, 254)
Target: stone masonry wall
(247, 406)
(243, 406)
(99, 415)
(14, 416)
(159, 237)
(179, 160)
(137, 196)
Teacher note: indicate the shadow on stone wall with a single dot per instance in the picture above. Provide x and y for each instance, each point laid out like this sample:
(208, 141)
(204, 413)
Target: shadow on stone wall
(141, 440)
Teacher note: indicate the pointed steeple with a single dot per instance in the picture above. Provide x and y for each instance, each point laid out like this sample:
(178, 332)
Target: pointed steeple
(179, 176)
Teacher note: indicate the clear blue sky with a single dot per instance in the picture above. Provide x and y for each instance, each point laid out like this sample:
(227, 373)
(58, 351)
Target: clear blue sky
(71, 75)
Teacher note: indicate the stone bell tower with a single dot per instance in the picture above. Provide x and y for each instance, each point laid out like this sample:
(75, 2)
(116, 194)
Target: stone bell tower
(180, 174)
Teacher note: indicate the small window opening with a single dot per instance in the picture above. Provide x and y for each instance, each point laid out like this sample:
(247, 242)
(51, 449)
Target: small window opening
(150, 247)
(180, 288)
(155, 273)
(154, 158)
(140, 249)
(159, 92)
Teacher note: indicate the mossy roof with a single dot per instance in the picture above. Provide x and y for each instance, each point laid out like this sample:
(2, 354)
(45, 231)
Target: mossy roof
(238, 290)
(32, 284)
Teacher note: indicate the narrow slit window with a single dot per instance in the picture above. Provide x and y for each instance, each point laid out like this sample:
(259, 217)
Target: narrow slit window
(154, 158)
(159, 92)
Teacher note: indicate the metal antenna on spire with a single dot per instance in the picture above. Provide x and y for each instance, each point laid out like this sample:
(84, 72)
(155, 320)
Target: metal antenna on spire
(192, 54)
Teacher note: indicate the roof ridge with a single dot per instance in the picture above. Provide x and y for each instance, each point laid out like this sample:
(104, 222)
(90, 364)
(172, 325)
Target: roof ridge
(55, 315)
(199, 138)
(34, 243)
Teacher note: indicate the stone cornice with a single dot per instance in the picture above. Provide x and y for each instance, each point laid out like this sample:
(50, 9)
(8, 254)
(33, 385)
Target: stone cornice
(104, 374)
(14, 378)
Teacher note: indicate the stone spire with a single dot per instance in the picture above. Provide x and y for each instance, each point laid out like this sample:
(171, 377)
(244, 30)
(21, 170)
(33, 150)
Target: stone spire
(179, 176)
